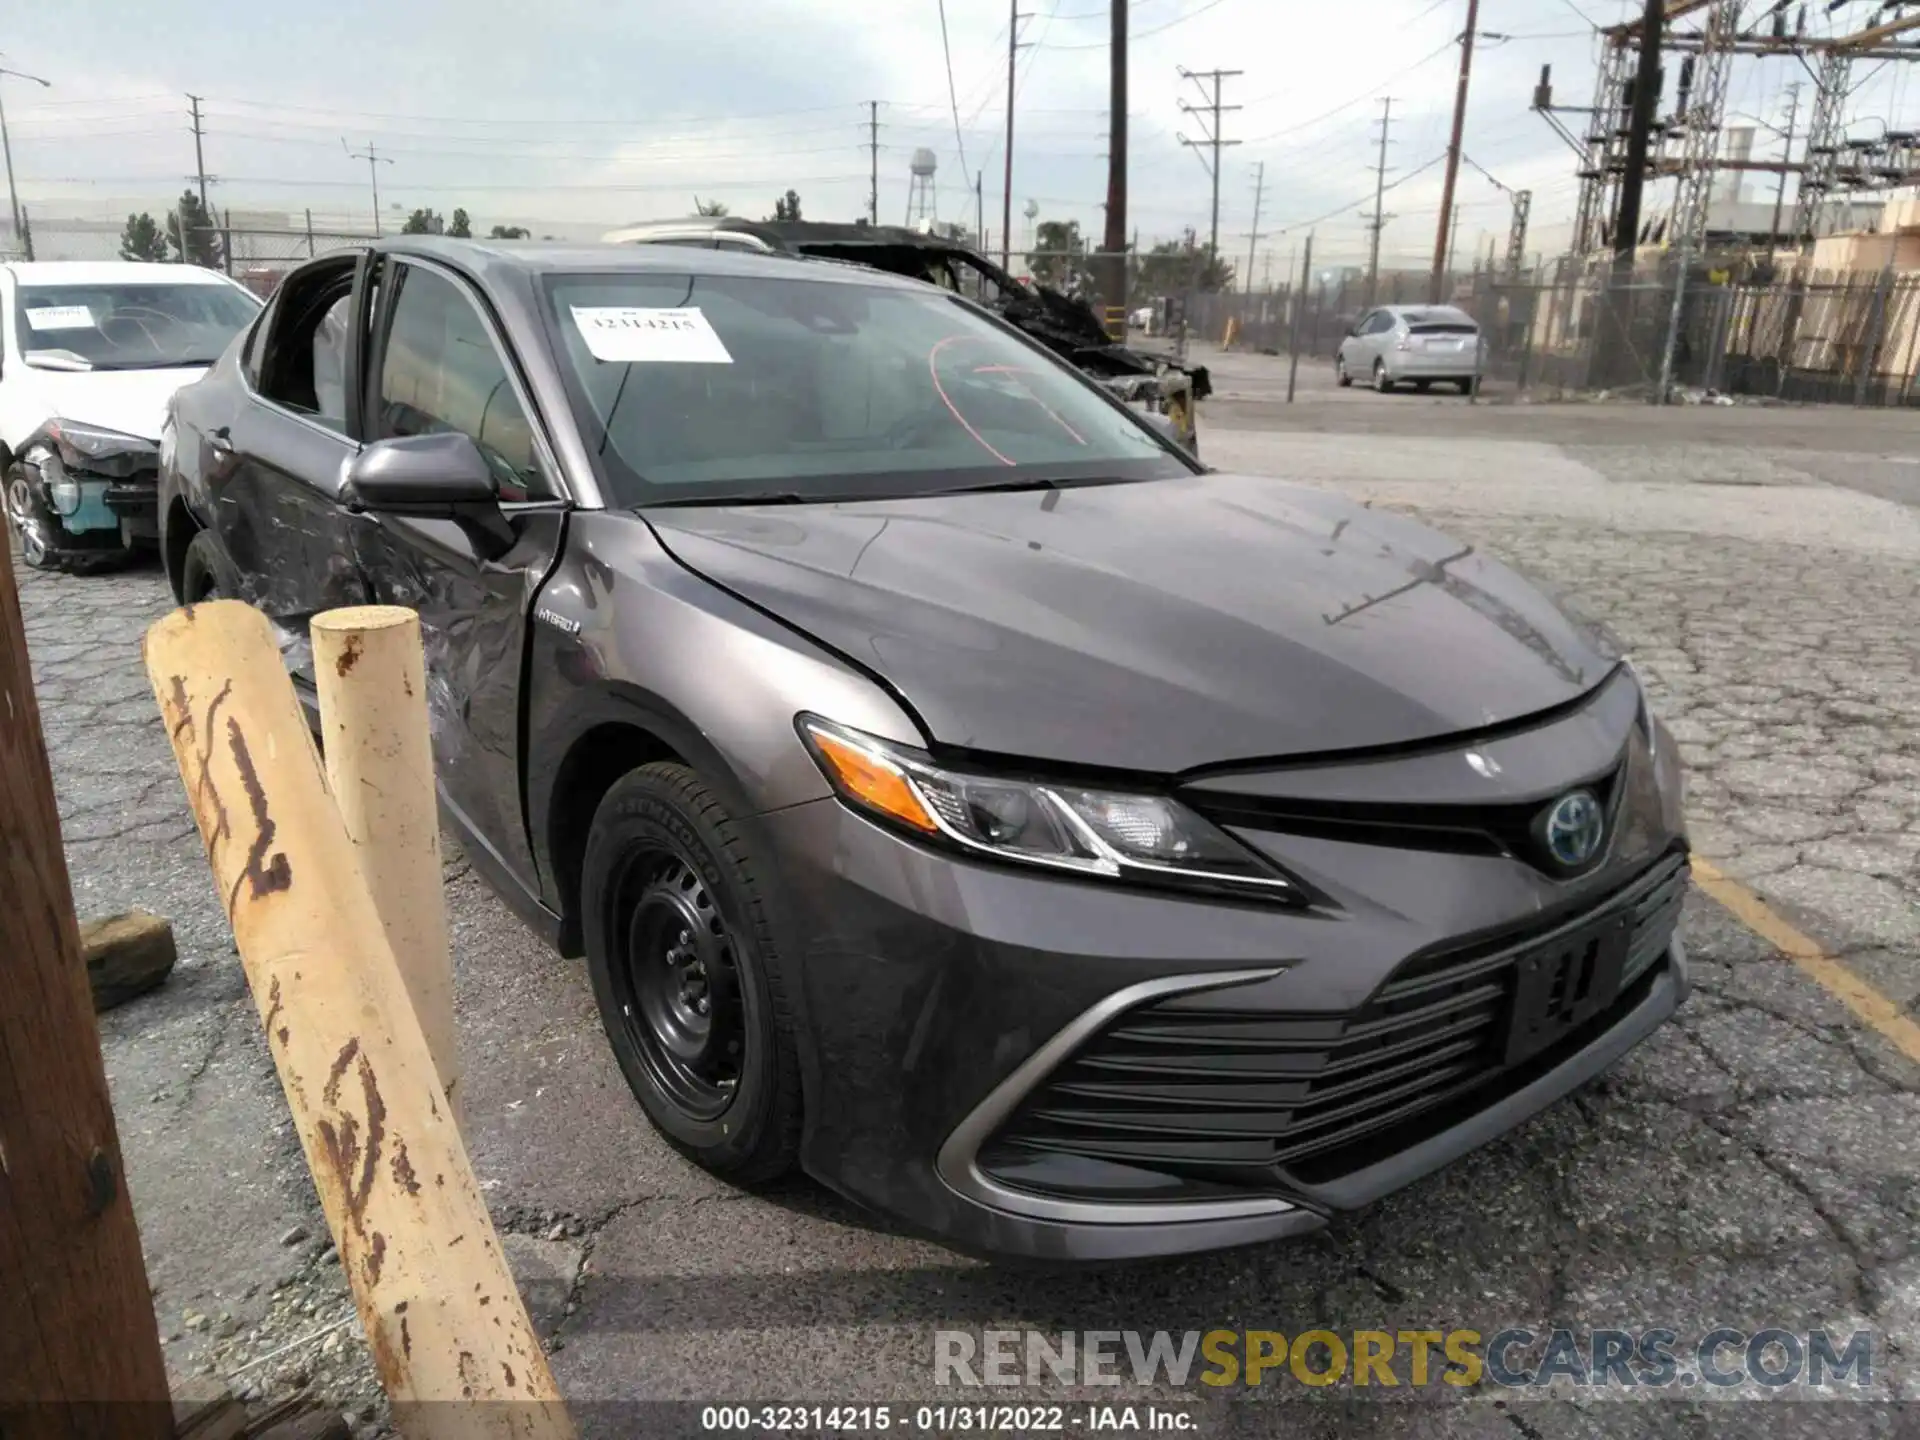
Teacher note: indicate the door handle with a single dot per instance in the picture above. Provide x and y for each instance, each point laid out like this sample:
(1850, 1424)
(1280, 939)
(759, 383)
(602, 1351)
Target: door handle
(220, 441)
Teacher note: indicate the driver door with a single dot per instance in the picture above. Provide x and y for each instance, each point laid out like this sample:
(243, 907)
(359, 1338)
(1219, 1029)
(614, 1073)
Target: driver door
(438, 361)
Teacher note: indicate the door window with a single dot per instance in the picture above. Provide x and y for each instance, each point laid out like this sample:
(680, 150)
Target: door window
(303, 362)
(440, 372)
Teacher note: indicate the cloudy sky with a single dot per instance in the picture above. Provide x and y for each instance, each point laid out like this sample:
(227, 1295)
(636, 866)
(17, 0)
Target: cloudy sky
(572, 114)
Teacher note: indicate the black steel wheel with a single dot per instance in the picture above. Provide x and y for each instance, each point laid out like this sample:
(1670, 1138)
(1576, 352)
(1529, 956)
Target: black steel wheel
(684, 954)
(675, 982)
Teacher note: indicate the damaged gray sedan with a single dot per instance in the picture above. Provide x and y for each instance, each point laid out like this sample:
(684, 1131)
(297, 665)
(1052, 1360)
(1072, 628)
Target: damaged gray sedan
(956, 790)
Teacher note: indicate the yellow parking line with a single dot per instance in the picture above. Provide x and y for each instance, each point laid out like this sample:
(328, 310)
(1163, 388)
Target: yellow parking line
(1873, 1008)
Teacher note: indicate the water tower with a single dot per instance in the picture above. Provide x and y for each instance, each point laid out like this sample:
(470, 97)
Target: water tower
(921, 206)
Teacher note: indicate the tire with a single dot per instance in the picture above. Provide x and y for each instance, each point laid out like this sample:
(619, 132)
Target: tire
(28, 520)
(1340, 375)
(686, 971)
(1382, 382)
(201, 572)
(1466, 386)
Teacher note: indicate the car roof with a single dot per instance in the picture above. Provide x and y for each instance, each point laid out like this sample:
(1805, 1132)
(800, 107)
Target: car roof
(112, 272)
(790, 232)
(487, 259)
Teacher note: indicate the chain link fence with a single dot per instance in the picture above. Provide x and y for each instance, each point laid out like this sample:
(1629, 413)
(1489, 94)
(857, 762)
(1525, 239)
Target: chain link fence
(1576, 326)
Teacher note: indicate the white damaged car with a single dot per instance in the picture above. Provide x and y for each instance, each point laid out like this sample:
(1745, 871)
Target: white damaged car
(90, 356)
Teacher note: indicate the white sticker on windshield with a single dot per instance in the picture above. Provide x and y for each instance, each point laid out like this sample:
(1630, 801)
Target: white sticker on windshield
(60, 317)
(635, 335)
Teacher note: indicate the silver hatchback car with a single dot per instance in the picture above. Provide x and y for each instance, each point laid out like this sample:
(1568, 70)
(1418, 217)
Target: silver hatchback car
(1420, 344)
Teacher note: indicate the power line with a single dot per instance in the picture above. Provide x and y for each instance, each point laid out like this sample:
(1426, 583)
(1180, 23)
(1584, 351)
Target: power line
(953, 97)
(1427, 59)
(1155, 30)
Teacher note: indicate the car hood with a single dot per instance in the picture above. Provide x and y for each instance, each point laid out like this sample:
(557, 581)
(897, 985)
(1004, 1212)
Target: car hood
(1156, 627)
(134, 402)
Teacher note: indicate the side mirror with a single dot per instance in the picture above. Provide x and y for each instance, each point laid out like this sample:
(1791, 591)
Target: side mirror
(439, 476)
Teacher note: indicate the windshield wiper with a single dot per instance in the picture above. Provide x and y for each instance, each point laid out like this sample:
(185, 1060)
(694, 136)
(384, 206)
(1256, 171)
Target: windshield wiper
(1032, 482)
(741, 497)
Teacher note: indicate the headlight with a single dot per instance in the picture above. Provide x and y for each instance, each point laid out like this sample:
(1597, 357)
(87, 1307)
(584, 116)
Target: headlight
(1147, 839)
(79, 443)
(1640, 686)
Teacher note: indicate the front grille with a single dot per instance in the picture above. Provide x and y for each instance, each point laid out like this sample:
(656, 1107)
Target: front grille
(1224, 1096)
(1454, 829)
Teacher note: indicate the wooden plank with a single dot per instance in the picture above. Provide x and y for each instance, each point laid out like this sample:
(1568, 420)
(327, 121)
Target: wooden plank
(442, 1315)
(372, 683)
(76, 1313)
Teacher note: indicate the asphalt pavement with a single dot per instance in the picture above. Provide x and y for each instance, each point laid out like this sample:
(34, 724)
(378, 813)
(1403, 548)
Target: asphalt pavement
(1752, 1166)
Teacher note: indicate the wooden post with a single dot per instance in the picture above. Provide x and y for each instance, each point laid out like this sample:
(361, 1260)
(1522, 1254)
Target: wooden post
(442, 1316)
(76, 1313)
(372, 681)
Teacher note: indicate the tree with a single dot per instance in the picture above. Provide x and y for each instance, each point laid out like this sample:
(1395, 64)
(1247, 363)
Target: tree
(787, 206)
(506, 232)
(423, 222)
(142, 240)
(192, 233)
(709, 207)
(461, 228)
(1174, 266)
(1059, 258)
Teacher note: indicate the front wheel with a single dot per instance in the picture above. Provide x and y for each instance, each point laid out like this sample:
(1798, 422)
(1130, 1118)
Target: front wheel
(29, 520)
(1382, 381)
(686, 972)
(1340, 375)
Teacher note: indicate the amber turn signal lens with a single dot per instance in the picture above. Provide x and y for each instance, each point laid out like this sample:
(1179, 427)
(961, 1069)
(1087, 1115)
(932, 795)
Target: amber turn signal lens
(871, 781)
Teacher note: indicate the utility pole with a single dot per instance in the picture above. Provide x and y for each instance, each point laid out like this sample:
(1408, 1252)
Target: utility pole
(1786, 158)
(1299, 304)
(1014, 47)
(980, 208)
(1646, 103)
(374, 161)
(1378, 220)
(1441, 244)
(873, 160)
(1253, 240)
(1453, 239)
(199, 158)
(20, 233)
(1213, 141)
(1114, 282)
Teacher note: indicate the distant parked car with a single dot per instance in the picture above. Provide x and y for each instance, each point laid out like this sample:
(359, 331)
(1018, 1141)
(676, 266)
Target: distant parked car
(90, 355)
(1421, 344)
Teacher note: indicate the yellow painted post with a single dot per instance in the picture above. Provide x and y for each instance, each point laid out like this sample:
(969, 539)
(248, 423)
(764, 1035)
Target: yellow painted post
(442, 1315)
(370, 672)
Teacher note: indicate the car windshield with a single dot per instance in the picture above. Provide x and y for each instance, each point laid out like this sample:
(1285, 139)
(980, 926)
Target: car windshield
(130, 326)
(698, 388)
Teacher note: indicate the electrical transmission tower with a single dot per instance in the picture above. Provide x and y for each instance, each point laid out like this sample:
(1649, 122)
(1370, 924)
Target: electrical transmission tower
(1209, 116)
(1377, 221)
(1826, 134)
(1703, 107)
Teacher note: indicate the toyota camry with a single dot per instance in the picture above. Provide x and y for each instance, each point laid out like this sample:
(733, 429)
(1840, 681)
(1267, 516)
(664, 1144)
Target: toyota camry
(955, 789)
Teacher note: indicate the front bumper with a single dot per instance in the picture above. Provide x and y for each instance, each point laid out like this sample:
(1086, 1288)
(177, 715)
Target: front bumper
(79, 513)
(947, 998)
(1068, 1070)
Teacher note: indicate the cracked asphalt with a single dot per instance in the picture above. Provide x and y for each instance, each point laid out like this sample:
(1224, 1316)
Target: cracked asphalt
(1753, 1165)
